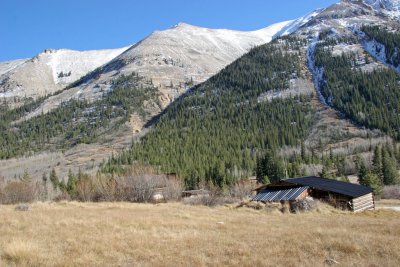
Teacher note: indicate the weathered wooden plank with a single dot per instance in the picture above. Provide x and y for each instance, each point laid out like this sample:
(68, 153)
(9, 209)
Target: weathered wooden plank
(363, 197)
(364, 207)
(366, 195)
(362, 202)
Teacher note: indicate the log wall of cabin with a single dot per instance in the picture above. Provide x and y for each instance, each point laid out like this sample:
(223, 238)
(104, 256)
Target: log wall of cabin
(365, 202)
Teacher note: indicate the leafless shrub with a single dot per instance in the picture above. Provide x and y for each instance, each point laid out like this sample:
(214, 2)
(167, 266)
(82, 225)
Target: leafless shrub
(139, 184)
(241, 190)
(139, 188)
(391, 192)
(19, 191)
(173, 189)
(106, 188)
(85, 188)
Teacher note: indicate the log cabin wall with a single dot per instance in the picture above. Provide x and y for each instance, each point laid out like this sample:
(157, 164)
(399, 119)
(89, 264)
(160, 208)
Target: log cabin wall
(365, 202)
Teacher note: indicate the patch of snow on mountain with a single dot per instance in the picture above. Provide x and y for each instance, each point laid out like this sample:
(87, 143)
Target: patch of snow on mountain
(317, 73)
(390, 8)
(294, 25)
(10, 65)
(69, 65)
(272, 31)
(376, 49)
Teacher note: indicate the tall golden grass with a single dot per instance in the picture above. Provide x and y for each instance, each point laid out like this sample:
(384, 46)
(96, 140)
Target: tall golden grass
(125, 234)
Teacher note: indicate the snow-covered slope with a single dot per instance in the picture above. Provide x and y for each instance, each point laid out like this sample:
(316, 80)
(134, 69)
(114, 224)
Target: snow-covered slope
(389, 8)
(49, 71)
(10, 65)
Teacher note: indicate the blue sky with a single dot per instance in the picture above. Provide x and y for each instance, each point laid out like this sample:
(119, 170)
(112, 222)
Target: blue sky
(27, 27)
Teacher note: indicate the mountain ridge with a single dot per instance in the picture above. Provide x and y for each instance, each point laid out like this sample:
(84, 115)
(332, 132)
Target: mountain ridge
(174, 59)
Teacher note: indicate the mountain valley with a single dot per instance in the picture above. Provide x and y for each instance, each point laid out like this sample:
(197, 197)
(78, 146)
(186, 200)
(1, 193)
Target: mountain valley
(324, 90)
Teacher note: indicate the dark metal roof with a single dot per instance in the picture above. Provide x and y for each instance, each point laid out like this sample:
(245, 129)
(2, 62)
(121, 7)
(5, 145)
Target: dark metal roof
(344, 188)
(278, 194)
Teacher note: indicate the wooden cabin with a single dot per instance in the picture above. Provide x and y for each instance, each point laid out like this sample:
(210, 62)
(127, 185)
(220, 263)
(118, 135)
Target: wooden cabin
(342, 195)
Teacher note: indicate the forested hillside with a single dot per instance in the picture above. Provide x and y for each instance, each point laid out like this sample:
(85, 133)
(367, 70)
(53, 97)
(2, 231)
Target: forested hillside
(370, 98)
(218, 128)
(76, 121)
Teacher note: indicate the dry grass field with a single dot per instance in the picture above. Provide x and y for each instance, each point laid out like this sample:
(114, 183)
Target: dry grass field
(125, 234)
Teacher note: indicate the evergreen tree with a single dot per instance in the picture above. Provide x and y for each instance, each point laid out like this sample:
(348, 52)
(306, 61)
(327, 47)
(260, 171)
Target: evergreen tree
(25, 177)
(390, 173)
(54, 179)
(303, 152)
(325, 172)
(373, 181)
(260, 172)
(44, 183)
(362, 171)
(71, 184)
(270, 168)
(377, 163)
(62, 186)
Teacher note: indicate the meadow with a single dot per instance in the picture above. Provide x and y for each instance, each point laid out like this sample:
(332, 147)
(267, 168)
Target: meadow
(175, 234)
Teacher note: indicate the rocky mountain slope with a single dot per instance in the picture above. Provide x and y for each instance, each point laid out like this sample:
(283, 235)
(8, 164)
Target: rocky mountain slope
(174, 59)
(185, 54)
(49, 72)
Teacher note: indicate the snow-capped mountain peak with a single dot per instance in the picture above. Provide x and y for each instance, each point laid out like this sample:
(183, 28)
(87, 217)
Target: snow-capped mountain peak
(50, 71)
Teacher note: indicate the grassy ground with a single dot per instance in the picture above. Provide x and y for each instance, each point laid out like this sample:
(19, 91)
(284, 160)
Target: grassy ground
(388, 202)
(123, 234)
